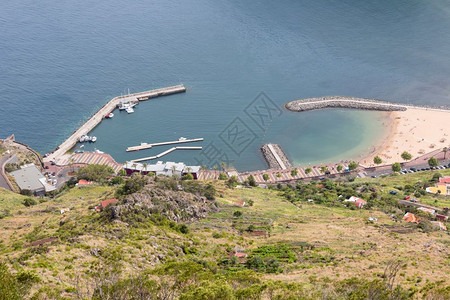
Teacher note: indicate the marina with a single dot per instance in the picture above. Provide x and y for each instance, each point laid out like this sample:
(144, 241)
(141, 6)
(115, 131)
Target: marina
(181, 140)
(165, 153)
(105, 111)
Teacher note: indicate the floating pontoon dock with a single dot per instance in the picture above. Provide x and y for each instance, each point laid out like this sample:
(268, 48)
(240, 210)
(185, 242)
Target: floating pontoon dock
(166, 152)
(143, 146)
(104, 111)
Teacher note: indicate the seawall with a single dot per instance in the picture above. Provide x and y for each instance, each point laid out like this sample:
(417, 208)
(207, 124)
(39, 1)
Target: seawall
(275, 157)
(343, 102)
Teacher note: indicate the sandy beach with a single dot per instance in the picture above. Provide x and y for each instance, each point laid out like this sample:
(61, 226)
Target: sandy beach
(416, 130)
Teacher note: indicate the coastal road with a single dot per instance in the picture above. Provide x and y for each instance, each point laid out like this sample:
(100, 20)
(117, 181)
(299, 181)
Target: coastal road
(3, 180)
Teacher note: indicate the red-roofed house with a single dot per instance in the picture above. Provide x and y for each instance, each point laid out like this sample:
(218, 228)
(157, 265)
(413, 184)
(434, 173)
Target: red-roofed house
(441, 217)
(411, 218)
(358, 202)
(105, 204)
(240, 255)
(445, 179)
(82, 182)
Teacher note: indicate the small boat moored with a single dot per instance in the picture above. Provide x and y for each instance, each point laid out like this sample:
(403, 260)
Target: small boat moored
(129, 110)
(110, 115)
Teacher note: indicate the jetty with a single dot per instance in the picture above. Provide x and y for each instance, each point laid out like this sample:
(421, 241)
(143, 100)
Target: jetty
(275, 157)
(143, 146)
(165, 153)
(355, 103)
(343, 102)
(93, 121)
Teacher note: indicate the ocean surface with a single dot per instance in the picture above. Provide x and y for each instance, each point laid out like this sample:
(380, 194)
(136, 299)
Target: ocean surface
(62, 60)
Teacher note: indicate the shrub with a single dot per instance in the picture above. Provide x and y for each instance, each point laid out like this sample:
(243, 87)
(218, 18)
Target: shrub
(232, 181)
(223, 176)
(237, 214)
(188, 176)
(117, 180)
(29, 202)
(26, 192)
(183, 228)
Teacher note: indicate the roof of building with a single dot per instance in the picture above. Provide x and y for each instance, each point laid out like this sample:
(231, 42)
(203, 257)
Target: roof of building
(27, 178)
(409, 217)
(428, 210)
(445, 179)
(240, 254)
(105, 203)
(84, 182)
(172, 166)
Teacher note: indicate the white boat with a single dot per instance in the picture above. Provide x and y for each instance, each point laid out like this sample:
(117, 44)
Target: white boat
(124, 106)
(129, 110)
(82, 139)
(110, 115)
(181, 139)
(93, 139)
(98, 151)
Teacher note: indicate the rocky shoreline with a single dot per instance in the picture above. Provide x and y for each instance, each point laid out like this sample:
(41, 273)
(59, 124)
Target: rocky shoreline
(343, 102)
(270, 158)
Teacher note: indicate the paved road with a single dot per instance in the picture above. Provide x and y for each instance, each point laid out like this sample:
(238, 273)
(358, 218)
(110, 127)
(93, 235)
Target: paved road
(3, 161)
(418, 204)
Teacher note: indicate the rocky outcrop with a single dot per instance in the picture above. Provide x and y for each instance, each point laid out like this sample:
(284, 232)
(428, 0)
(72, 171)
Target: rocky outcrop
(177, 206)
(343, 102)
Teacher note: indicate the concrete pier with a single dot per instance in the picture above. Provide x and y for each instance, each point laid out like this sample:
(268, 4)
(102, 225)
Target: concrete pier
(143, 146)
(165, 153)
(93, 121)
(275, 157)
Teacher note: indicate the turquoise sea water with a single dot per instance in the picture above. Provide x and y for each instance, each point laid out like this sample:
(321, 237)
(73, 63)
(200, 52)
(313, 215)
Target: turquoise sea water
(62, 60)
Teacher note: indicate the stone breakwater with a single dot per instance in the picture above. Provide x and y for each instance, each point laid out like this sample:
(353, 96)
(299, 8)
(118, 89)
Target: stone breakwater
(275, 157)
(343, 102)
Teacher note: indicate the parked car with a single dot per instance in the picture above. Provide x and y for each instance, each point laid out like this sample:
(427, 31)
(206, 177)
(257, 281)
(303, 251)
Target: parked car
(413, 200)
(407, 197)
(393, 192)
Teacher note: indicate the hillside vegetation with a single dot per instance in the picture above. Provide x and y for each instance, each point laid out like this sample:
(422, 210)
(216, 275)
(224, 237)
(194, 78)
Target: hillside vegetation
(167, 238)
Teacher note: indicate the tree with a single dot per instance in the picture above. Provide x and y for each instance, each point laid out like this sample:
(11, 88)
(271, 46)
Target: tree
(406, 155)
(133, 184)
(377, 160)
(294, 172)
(323, 169)
(232, 181)
(97, 173)
(339, 168)
(396, 167)
(433, 162)
(445, 151)
(265, 177)
(251, 180)
(308, 170)
(145, 165)
(188, 176)
(223, 176)
(352, 166)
